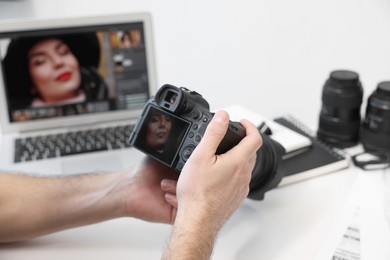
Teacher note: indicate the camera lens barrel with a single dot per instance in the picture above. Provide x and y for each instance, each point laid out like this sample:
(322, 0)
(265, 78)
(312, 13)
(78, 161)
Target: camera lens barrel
(269, 170)
(375, 129)
(342, 96)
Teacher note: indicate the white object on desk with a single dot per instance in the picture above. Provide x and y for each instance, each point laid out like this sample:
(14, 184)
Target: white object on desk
(365, 207)
(290, 140)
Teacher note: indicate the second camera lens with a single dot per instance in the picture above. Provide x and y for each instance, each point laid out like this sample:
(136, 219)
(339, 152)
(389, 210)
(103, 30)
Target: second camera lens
(375, 131)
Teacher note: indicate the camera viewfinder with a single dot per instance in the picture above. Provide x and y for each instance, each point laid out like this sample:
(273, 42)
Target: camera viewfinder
(170, 97)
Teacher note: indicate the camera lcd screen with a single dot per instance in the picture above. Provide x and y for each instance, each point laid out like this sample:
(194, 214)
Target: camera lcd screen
(161, 134)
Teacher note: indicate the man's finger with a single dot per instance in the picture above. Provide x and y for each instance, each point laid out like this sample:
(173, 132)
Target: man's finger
(215, 132)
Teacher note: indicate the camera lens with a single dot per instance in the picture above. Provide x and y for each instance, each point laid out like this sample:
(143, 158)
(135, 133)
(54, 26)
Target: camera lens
(340, 113)
(375, 131)
(268, 171)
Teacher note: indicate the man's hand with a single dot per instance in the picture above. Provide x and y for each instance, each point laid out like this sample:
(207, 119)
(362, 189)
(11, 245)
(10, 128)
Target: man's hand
(146, 191)
(210, 188)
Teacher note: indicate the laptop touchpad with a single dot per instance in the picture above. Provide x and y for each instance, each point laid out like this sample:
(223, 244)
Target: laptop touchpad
(90, 164)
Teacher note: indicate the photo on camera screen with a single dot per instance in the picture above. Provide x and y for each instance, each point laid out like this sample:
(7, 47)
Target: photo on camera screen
(161, 135)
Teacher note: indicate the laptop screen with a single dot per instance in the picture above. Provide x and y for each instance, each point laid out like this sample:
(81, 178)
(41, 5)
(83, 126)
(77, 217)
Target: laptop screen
(70, 71)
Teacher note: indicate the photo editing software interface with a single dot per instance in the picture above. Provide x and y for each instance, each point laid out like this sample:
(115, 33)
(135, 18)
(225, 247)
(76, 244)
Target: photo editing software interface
(70, 71)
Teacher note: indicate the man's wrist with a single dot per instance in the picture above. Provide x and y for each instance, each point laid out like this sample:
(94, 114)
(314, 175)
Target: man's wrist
(117, 198)
(193, 237)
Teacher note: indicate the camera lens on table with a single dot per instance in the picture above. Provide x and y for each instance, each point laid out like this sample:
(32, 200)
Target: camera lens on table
(375, 130)
(339, 122)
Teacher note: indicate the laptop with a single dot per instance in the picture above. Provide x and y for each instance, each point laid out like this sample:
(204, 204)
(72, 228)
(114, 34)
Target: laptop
(71, 90)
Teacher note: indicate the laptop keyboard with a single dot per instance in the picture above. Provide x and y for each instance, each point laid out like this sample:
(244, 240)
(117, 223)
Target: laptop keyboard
(70, 143)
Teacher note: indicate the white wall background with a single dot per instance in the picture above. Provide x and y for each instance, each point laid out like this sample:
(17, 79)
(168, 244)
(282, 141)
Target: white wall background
(272, 56)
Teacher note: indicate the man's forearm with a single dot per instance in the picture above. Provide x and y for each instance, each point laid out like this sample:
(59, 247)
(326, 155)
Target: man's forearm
(32, 206)
(191, 239)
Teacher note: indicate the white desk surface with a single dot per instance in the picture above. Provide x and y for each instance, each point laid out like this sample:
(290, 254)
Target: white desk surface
(291, 223)
(304, 220)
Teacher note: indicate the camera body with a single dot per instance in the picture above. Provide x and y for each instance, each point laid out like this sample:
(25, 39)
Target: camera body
(173, 123)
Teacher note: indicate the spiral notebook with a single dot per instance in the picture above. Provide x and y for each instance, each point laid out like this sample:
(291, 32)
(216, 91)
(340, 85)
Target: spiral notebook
(319, 159)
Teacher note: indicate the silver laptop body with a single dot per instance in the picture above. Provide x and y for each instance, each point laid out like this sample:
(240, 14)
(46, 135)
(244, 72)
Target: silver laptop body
(44, 99)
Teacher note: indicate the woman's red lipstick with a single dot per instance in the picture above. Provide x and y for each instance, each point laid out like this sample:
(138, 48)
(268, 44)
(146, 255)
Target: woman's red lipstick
(64, 76)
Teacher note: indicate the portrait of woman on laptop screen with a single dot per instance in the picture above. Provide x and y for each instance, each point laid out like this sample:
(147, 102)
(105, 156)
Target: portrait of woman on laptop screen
(53, 70)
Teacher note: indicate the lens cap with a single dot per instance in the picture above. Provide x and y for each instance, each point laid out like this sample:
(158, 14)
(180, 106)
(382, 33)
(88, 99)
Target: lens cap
(383, 90)
(344, 78)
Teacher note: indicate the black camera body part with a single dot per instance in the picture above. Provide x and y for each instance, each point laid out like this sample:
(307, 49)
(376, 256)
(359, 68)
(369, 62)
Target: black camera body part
(375, 129)
(339, 120)
(188, 115)
(182, 117)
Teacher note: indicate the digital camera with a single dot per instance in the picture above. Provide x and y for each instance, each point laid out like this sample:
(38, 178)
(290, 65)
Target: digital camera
(173, 123)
